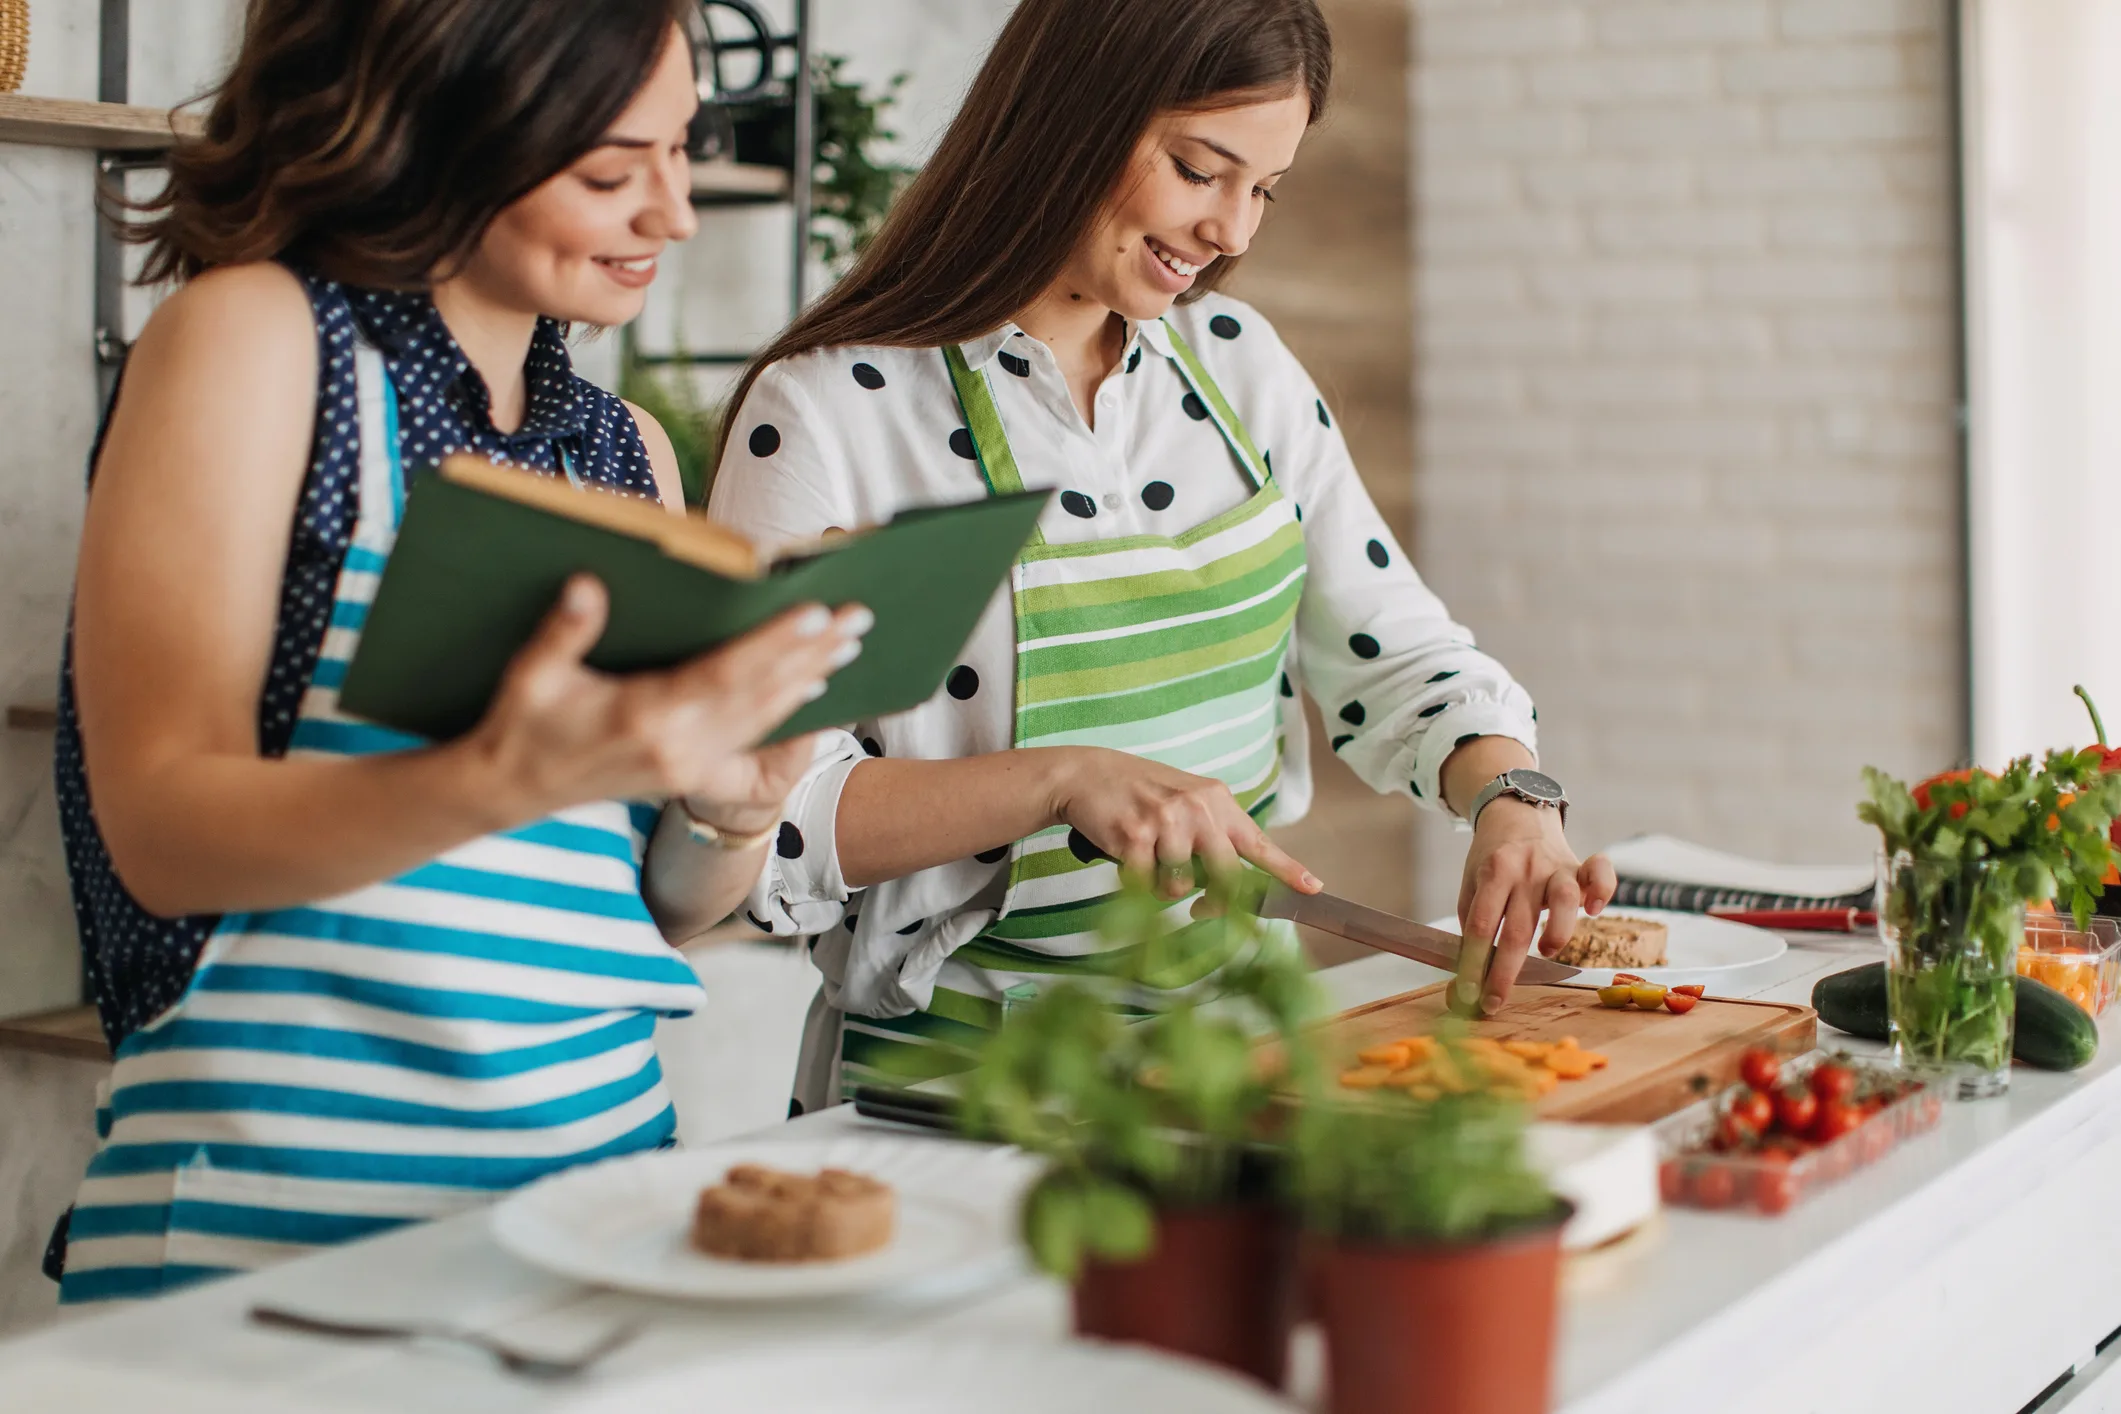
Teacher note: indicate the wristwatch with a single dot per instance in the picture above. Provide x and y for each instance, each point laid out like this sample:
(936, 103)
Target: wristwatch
(1531, 787)
(709, 834)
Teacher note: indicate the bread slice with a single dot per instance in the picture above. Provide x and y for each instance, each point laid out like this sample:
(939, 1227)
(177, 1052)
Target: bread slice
(758, 1214)
(1614, 941)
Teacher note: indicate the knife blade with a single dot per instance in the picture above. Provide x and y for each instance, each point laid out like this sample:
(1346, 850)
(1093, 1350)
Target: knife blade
(1390, 933)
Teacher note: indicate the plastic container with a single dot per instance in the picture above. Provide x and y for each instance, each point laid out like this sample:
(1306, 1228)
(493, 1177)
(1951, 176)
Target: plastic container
(2083, 965)
(1692, 1175)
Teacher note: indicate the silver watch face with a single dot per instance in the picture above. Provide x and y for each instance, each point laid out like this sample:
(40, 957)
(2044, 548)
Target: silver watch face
(1535, 786)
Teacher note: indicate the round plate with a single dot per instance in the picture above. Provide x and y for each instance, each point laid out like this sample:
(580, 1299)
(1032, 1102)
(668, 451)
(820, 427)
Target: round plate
(931, 1374)
(1698, 948)
(626, 1222)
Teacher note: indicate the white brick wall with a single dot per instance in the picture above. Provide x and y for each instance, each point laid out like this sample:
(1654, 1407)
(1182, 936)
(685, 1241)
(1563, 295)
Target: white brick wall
(1683, 312)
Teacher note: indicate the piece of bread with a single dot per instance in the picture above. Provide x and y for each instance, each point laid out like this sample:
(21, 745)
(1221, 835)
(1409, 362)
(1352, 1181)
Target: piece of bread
(758, 1214)
(1614, 941)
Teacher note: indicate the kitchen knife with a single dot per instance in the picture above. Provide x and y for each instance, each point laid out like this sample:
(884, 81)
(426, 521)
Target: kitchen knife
(1389, 933)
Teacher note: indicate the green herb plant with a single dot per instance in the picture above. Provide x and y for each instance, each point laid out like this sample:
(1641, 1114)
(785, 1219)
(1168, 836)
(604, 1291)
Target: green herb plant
(852, 190)
(693, 423)
(1133, 1111)
(1392, 1169)
(1964, 853)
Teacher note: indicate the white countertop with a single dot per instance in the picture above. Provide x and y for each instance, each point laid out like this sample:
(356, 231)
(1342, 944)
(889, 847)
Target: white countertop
(1965, 1271)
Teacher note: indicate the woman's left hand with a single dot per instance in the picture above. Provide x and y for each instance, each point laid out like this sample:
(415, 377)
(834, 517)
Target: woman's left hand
(1519, 865)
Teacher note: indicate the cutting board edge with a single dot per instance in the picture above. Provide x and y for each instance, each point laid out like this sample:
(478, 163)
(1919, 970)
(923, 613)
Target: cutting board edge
(1398, 998)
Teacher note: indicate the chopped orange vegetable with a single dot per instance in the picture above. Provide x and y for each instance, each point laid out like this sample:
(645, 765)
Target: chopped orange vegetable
(1570, 1063)
(1367, 1077)
(1392, 1055)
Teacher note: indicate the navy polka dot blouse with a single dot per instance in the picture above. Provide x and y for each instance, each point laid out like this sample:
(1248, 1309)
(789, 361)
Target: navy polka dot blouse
(138, 964)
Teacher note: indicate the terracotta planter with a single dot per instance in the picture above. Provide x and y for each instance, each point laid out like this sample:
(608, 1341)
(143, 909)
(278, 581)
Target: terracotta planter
(1448, 1329)
(1218, 1286)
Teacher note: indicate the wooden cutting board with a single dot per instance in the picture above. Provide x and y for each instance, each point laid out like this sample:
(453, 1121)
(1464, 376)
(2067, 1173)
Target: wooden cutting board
(1658, 1062)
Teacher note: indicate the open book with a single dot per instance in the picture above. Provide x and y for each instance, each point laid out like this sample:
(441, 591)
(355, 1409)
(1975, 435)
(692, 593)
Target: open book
(484, 550)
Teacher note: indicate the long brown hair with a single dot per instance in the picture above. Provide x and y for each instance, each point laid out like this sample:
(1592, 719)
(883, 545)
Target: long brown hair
(1030, 161)
(373, 141)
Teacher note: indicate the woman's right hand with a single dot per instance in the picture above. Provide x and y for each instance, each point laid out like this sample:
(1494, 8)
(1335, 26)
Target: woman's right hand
(1156, 820)
(560, 733)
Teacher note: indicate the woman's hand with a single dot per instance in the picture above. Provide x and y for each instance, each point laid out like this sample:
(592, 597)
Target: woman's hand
(560, 733)
(1155, 820)
(1520, 864)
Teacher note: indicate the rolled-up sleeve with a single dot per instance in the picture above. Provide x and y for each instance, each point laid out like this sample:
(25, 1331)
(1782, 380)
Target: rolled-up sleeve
(1398, 682)
(792, 489)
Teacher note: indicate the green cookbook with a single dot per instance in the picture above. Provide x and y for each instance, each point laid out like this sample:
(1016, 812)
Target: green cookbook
(484, 550)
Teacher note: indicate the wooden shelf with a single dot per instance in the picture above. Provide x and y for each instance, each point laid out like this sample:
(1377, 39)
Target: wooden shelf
(32, 716)
(101, 127)
(74, 1033)
(737, 184)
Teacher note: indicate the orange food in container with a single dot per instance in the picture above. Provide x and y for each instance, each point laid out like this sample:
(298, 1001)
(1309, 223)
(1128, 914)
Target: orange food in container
(2082, 964)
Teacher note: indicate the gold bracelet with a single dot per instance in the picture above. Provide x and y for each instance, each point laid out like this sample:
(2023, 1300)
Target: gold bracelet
(709, 834)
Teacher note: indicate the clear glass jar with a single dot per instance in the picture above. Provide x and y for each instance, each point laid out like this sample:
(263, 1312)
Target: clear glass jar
(1952, 931)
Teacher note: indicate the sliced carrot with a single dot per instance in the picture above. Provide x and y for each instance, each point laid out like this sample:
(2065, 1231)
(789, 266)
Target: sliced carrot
(1529, 1050)
(1392, 1055)
(1367, 1077)
(1570, 1064)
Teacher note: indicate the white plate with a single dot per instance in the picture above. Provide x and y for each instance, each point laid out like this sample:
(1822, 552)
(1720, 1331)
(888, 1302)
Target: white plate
(936, 1375)
(1698, 948)
(625, 1222)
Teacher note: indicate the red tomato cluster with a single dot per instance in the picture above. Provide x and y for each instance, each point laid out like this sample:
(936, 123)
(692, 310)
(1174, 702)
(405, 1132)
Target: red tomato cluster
(1771, 1136)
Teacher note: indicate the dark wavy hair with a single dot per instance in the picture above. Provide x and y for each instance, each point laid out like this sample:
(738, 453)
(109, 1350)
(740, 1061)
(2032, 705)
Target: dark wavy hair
(373, 141)
(1030, 161)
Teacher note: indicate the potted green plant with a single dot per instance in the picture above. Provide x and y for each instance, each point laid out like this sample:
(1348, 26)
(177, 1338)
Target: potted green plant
(1961, 856)
(1159, 1202)
(1434, 1253)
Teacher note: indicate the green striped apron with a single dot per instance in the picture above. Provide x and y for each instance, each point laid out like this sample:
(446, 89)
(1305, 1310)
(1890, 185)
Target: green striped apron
(1168, 647)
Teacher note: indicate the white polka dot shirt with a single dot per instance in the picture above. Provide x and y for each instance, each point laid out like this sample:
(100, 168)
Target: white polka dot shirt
(847, 437)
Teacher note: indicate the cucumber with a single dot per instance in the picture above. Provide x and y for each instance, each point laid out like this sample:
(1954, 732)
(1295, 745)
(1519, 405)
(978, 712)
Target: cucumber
(2052, 1031)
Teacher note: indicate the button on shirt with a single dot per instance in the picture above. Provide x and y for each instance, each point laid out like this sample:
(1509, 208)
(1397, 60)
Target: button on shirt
(845, 437)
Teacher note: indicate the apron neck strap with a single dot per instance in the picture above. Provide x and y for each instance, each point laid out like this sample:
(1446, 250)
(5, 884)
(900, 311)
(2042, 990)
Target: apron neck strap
(990, 442)
(1227, 422)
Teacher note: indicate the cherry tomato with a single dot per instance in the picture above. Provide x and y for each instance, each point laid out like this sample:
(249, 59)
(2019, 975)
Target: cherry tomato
(1671, 1181)
(1734, 1135)
(1760, 1069)
(1795, 1110)
(1833, 1082)
(1691, 989)
(1774, 1186)
(1836, 1118)
(1714, 1186)
(1754, 1110)
(1676, 1002)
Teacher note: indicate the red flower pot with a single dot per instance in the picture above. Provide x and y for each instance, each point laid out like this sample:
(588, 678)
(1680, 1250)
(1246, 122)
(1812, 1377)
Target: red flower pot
(1218, 1286)
(1462, 1328)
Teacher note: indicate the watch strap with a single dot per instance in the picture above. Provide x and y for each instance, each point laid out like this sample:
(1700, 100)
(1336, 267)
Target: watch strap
(1503, 785)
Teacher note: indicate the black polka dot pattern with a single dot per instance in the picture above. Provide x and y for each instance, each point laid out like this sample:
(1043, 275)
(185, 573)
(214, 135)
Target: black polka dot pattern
(788, 844)
(961, 443)
(1415, 786)
(757, 922)
(795, 1108)
(964, 682)
(1353, 714)
(765, 440)
(911, 928)
(1222, 326)
(871, 745)
(852, 921)
(1075, 503)
(1286, 690)
(1445, 676)
(1195, 408)
(1157, 495)
(1363, 646)
(1081, 846)
(1435, 709)
(1021, 367)
(1134, 360)
(868, 375)
(1379, 556)
(1343, 740)
(993, 856)
(1467, 740)
(138, 963)
(1323, 420)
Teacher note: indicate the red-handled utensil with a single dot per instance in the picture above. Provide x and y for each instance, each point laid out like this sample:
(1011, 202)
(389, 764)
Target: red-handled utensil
(1801, 920)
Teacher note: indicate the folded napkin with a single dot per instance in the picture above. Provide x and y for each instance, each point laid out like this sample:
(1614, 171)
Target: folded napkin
(1658, 871)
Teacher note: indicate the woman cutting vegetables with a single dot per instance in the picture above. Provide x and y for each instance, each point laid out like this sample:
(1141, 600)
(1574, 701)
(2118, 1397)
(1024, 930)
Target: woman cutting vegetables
(1037, 312)
(353, 979)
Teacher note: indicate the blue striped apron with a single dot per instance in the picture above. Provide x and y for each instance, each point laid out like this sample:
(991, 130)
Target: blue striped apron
(397, 1053)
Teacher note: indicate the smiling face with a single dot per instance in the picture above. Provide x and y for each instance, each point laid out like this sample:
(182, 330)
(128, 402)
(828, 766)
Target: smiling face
(582, 245)
(1194, 193)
